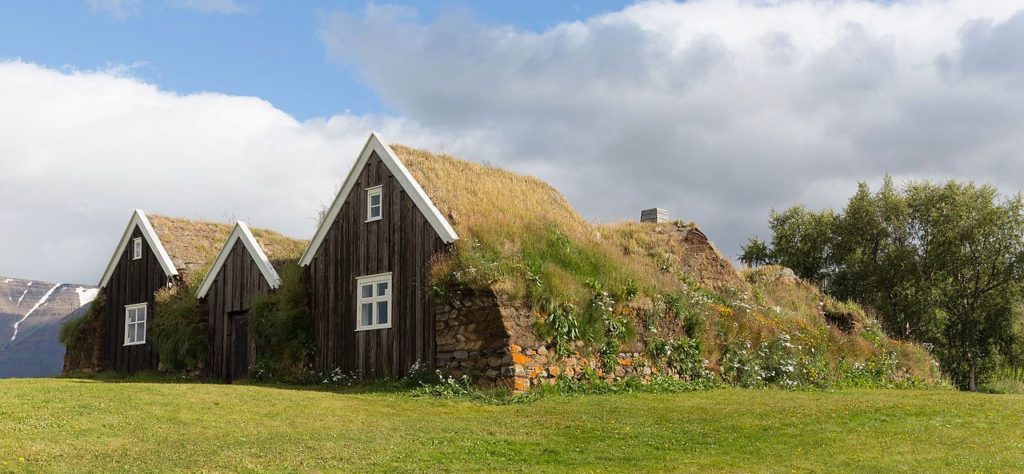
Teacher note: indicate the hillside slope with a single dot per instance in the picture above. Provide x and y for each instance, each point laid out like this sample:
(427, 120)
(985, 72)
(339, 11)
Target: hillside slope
(31, 314)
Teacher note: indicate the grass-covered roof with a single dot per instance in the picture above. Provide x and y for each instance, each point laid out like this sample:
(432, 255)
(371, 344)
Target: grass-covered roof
(515, 229)
(194, 244)
(520, 237)
(480, 199)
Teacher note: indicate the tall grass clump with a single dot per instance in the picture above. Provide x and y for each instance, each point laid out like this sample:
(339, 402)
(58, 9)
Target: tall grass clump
(179, 326)
(1005, 380)
(71, 331)
(282, 329)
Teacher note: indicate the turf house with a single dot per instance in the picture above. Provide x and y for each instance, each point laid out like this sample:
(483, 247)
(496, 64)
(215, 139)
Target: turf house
(241, 272)
(152, 254)
(157, 259)
(427, 262)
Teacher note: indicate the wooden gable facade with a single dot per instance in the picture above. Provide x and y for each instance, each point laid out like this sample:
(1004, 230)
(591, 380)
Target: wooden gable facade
(240, 273)
(396, 245)
(131, 282)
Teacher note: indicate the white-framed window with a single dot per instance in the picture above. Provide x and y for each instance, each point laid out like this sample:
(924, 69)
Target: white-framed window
(374, 203)
(137, 248)
(135, 324)
(373, 310)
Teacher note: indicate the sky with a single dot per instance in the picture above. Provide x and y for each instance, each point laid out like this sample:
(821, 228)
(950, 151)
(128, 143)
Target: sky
(718, 110)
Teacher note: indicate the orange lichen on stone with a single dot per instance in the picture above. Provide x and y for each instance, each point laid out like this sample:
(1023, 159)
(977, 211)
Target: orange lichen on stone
(519, 358)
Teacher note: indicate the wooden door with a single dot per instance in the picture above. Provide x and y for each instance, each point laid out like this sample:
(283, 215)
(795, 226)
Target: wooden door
(238, 367)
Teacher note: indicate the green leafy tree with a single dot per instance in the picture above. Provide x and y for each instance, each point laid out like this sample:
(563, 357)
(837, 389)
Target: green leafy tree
(973, 243)
(942, 264)
(801, 239)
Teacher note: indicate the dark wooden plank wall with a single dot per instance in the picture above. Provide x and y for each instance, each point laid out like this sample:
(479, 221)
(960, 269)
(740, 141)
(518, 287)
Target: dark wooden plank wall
(402, 243)
(233, 289)
(133, 282)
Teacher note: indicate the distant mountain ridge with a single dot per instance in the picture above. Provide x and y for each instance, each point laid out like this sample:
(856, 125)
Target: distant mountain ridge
(31, 315)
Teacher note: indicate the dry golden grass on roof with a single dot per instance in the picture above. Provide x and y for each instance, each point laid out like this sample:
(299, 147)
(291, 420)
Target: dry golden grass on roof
(674, 247)
(280, 249)
(522, 227)
(194, 244)
(481, 200)
(191, 244)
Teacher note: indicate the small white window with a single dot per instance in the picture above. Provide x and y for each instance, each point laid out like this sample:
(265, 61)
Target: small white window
(135, 324)
(374, 310)
(136, 248)
(374, 205)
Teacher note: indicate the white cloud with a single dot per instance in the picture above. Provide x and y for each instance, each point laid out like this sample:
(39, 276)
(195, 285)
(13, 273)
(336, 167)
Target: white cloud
(119, 9)
(715, 110)
(209, 6)
(718, 110)
(82, 149)
(122, 9)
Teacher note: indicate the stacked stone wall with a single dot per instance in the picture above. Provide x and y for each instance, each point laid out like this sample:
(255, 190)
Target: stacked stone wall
(492, 341)
(471, 338)
(535, 366)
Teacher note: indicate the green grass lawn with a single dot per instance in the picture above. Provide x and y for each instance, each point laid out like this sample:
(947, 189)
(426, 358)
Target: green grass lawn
(70, 424)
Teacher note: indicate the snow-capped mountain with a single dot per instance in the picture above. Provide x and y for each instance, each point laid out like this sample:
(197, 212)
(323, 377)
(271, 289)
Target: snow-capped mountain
(31, 314)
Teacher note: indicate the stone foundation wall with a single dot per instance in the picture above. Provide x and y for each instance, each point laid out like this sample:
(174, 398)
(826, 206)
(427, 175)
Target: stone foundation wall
(471, 339)
(534, 366)
(492, 341)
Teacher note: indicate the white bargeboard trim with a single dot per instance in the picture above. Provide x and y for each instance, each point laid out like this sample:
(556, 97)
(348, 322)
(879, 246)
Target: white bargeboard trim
(240, 232)
(139, 220)
(402, 175)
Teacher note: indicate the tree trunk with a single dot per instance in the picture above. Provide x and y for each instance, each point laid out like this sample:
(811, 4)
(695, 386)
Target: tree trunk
(971, 376)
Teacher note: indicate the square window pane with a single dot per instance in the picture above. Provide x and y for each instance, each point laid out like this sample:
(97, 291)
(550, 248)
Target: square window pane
(367, 314)
(367, 291)
(382, 312)
(382, 289)
(374, 200)
(374, 212)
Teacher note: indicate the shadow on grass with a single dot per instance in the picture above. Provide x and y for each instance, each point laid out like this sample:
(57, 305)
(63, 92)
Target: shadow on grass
(426, 388)
(379, 386)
